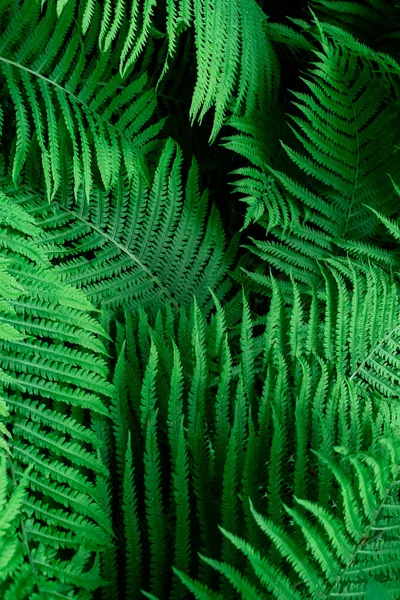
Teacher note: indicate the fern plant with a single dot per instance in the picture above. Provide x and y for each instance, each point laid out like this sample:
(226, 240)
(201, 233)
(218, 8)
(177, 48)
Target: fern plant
(360, 18)
(347, 548)
(55, 388)
(65, 108)
(139, 244)
(292, 377)
(10, 506)
(346, 115)
(181, 416)
(236, 63)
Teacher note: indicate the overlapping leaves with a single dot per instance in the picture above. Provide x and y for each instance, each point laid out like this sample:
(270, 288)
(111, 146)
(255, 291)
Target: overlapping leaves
(66, 107)
(140, 244)
(54, 389)
(321, 208)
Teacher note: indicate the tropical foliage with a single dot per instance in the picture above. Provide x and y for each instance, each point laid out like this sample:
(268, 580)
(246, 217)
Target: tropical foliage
(199, 300)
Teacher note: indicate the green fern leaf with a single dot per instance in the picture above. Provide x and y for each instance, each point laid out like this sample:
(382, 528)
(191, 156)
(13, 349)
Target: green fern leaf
(154, 508)
(140, 245)
(52, 400)
(58, 95)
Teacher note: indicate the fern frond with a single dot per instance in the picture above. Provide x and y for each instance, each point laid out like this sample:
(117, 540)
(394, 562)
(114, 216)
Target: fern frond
(362, 19)
(65, 109)
(338, 561)
(52, 401)
(221, 450)
(339, 174)
(154, 508)
(148, 404)
(237, 68)
(10, 513)
(247, 352)
(132, 528)
(139, 244)
(200, 591)
(180, 477)
(234, 32)
(179, 463)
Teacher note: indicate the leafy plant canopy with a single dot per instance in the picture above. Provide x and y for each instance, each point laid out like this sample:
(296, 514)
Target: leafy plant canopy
(199, 300)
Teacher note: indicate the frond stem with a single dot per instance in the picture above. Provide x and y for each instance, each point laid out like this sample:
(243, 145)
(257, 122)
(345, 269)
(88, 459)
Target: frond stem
(126, 251)
(36, 74)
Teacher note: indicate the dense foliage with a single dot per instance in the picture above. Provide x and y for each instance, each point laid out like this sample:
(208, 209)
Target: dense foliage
(199, 300)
